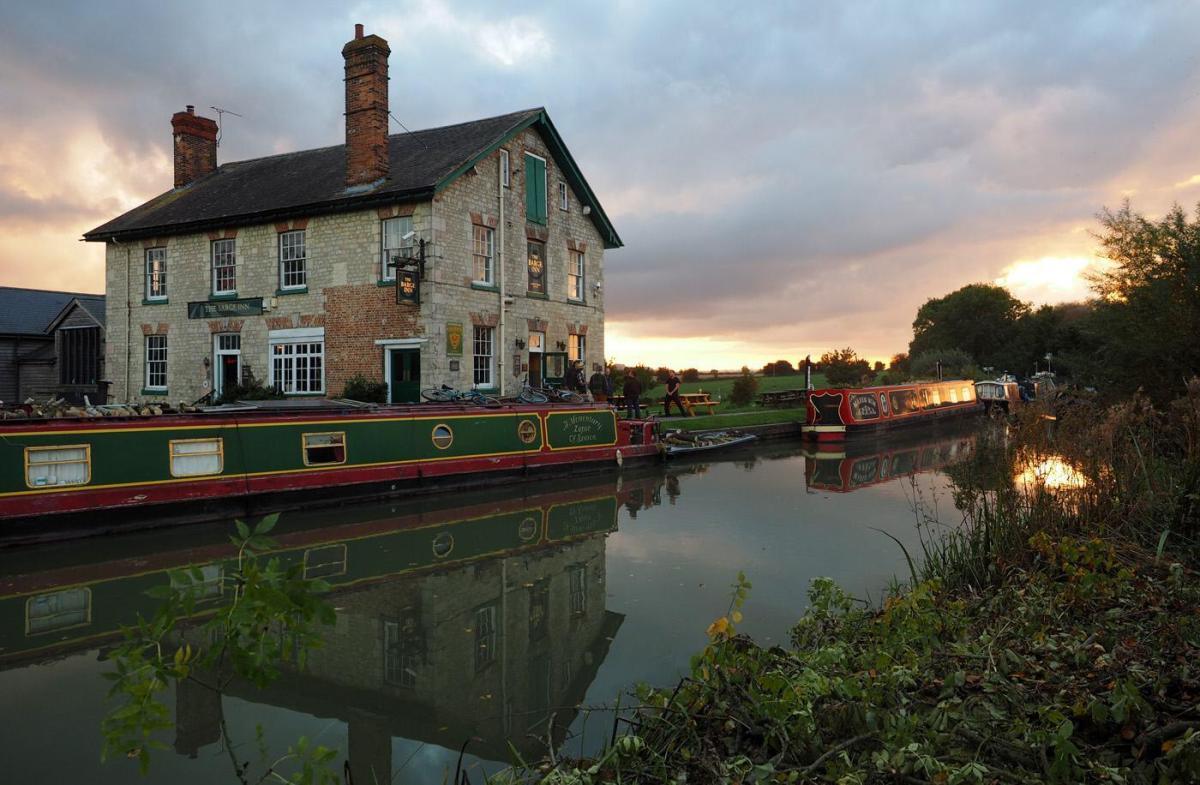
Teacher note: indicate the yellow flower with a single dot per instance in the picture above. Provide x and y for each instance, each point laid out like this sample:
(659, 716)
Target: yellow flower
(718, 627)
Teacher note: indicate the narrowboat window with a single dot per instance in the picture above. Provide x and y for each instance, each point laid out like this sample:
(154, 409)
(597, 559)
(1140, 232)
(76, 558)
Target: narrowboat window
(966, 394)
(953, 395)
(324, 449)
(58, 610)
(209, 585)
(325, 562)
(578, 589)
(904, 401)
(47, 467)
(197, 457)
(935, 397)
(863, 406)
(485, 636)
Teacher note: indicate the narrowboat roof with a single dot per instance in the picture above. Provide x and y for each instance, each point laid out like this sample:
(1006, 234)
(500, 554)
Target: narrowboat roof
(880, 388)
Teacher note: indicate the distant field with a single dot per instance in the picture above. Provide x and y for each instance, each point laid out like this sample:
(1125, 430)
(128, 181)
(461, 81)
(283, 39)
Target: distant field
(719, 389)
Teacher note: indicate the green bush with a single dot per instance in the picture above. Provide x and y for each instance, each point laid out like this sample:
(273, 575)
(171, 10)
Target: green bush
(360, 388)
(745, 387)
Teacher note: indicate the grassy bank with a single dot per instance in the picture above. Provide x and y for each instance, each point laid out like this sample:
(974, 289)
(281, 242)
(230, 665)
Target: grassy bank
(1051, 635)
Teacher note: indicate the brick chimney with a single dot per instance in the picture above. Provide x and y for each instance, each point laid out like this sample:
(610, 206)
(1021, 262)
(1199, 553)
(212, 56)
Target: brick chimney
(366, 108)
(195, 146)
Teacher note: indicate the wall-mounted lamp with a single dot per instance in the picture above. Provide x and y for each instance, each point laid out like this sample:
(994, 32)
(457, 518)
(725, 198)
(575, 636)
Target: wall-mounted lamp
(562, 346)
(520, 344)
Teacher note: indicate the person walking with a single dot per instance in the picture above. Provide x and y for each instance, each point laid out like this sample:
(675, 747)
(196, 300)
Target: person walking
(600, 385)
(574, 380)
(633, 395)
(673, 396)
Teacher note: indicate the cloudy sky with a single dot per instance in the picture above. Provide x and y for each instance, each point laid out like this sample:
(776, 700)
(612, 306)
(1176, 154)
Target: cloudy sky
(787, 177)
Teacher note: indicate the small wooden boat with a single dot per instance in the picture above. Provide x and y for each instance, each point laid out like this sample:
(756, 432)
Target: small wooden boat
(678, 443)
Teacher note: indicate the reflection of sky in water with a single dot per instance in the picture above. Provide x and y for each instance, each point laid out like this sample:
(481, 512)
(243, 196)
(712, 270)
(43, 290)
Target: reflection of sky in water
(668, 572)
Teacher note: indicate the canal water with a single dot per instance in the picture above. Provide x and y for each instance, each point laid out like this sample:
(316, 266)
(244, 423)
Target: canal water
(508, 615)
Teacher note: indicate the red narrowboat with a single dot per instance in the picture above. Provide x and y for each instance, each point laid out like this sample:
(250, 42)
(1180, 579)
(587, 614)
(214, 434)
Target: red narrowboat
(833, 414)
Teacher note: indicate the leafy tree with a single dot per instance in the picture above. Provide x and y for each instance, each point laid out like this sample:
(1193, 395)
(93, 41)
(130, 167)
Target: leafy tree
(647, 376)
(690, 375)
(878, 367)
(955, 364)
(715, 373)
(844, 367)
(779, 368)
(1142, 331)
(980, 319)
(662, 374)
(745, 387)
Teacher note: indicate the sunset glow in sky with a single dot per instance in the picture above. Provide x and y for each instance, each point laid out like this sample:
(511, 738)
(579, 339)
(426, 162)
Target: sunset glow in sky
(787, 179)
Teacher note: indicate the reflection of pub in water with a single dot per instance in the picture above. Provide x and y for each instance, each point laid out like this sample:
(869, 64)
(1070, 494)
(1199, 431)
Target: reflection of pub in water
(468, 623)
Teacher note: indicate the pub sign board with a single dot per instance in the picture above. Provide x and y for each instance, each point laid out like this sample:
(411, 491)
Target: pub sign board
(408, 287)
(219, 309)
(454, 338)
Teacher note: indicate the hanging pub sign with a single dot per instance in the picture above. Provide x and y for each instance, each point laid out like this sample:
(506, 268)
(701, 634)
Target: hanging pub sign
(408, 287)
(454, 338)
(537, 267)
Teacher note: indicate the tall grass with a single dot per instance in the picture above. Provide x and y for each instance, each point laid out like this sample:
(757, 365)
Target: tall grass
(1141, 468)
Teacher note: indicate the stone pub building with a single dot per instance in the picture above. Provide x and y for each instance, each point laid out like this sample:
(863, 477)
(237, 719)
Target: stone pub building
(304, 270)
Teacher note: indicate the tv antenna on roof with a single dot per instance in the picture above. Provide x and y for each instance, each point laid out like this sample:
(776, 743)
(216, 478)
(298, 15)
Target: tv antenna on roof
(221, 117)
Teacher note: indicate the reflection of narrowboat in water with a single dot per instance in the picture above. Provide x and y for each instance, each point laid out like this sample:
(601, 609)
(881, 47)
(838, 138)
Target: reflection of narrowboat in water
(846, 468)
(836, 413)
(213, 464)
(471, 622)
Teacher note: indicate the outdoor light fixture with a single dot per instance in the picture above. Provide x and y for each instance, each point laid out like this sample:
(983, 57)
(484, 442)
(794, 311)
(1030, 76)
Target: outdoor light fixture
(562, 346)
(520, 344)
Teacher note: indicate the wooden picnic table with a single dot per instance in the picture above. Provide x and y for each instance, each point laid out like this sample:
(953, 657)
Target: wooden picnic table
(697, 400)
(782, 397)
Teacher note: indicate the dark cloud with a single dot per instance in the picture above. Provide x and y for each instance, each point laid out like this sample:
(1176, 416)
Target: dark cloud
(819, 168)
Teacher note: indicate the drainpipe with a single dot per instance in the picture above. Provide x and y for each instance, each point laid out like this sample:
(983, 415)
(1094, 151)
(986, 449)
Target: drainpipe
(501, 347)
(128, 318)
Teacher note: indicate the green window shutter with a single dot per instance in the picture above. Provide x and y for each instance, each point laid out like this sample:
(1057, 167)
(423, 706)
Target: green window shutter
(535, 189)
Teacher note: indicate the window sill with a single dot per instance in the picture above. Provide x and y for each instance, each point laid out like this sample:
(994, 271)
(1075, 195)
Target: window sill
(572, 301)
(484, 287)
(486, 390)
(537, 295)
(155, 301)
(154, 391)
(293, 290)
(223, 296)
(304, 395)
(386, 283)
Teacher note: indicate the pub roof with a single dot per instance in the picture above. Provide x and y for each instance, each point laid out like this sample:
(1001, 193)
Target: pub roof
(312, 182)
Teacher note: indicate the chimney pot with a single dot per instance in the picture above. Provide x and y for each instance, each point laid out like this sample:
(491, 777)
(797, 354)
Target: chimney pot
(358, 31)
(191, 109)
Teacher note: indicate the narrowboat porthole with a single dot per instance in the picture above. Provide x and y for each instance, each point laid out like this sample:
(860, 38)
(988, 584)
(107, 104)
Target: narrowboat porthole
(527, 431)
(443, 437)
(883, 404)
(443, 544)
(528, 529)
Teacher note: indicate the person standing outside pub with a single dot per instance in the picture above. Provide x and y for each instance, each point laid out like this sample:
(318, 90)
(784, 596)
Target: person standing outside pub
(600, 385)
(673, 396)
(633, 395)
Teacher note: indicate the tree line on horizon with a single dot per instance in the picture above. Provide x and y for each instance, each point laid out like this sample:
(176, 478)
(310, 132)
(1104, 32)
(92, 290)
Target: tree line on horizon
(1140, 329)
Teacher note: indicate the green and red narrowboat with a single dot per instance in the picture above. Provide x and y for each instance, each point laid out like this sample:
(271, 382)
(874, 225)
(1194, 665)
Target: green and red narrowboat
(207, 464)
(833, 414)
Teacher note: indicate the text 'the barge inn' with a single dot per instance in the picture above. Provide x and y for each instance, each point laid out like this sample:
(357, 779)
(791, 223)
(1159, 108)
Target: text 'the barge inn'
(470, 255)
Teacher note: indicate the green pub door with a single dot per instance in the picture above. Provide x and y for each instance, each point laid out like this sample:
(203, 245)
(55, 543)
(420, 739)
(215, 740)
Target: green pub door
(404, 380)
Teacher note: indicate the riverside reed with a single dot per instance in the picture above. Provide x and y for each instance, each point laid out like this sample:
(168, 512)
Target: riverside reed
(1050, 636)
